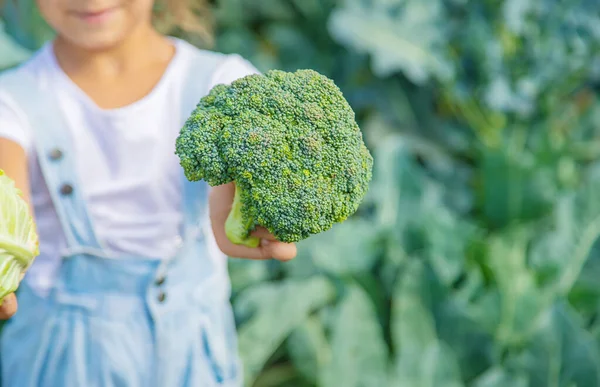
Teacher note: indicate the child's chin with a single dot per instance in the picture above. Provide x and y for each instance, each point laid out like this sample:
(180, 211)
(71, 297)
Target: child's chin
(98, 40)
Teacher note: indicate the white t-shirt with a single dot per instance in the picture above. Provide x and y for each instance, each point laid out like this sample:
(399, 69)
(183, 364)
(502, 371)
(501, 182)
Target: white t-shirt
(125, 162)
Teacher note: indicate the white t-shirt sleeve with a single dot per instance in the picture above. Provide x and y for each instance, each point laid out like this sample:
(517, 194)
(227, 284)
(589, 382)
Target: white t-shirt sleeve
(12, 124)
(234, 67)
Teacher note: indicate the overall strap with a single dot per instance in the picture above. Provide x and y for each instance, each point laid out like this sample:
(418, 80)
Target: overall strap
(56, 159)
(199, 73)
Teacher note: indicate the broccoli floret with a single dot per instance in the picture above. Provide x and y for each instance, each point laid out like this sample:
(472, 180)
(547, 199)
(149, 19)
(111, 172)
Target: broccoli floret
(289, 142)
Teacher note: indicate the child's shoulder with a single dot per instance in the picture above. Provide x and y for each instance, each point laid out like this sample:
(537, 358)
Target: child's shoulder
(29, 72)
(20, 86)
(224, 67)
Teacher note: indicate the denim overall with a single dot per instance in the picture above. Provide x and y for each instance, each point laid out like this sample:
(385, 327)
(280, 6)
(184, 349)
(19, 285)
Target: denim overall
(119, 321)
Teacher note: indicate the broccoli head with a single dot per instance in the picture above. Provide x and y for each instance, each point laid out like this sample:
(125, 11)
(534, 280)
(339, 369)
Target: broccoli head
(290, 143)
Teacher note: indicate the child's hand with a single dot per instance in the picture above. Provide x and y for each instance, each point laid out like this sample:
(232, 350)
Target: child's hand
(220, 201)
(8, 307)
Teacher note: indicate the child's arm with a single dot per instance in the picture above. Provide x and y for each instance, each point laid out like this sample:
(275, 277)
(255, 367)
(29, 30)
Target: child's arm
(221, 197)
(220, 201)
(13, 161)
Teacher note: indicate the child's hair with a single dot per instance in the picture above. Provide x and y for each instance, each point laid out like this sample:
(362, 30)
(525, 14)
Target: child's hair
(188, 17)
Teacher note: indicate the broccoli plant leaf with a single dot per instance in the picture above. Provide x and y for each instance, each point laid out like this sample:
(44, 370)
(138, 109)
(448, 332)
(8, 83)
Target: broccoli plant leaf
(533, 267)
(359, 355)
(415, 208)
(562, 353)
(519, 55)
(339, 251)
(11, 54)
(235, 12)
(244, 273)
(560, 253)
(309, 348)
(514, 186)
(515, 307)
(422, 359)
(25, 23)
(401, 35)
(271, 312)
(499, 377)
(399, 189)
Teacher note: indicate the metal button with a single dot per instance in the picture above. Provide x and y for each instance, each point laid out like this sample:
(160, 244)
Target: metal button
(66, 189)
(178, 241)
(161, 297)
(160, 280)
(55, 154)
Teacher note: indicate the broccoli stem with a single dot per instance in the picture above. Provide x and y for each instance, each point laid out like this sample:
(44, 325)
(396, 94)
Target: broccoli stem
(236, 229)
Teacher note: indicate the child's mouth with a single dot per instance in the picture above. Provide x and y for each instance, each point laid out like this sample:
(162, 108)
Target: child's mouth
(96, 17)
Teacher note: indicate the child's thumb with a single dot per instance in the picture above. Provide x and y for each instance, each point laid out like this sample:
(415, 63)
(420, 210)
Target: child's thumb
(8, 307)
(278, 250)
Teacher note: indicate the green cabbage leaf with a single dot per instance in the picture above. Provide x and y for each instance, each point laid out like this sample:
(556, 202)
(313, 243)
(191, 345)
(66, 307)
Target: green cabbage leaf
(19, 243)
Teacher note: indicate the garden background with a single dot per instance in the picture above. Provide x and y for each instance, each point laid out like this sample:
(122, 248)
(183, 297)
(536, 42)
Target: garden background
(473, 261)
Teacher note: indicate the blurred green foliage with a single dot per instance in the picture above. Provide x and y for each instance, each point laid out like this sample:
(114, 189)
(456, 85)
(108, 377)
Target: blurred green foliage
(474, 260)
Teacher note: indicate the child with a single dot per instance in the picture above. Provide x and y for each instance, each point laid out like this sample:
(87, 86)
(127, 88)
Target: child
(131, 286)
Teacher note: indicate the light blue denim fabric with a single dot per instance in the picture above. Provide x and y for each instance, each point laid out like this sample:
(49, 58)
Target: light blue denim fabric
(124, 321)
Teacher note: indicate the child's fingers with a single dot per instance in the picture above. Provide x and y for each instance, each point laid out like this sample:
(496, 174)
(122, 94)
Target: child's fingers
(8, 307)
(220, 200)
(267, 250)
(278, 250)
(263, 233)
